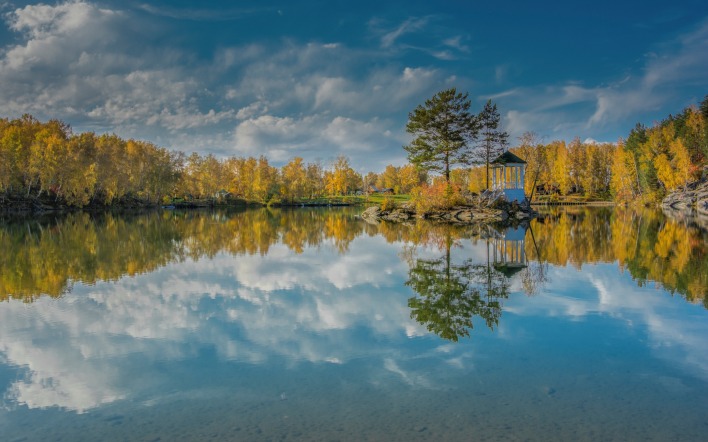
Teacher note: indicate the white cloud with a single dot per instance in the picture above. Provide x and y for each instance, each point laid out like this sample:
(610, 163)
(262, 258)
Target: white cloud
(311, 137)
(81, 61)
(101, 69)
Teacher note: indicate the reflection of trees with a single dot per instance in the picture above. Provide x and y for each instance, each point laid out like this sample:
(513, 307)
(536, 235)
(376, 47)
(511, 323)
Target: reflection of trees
(535, 275)
(644, 242)
(449, 295)
(43, 257)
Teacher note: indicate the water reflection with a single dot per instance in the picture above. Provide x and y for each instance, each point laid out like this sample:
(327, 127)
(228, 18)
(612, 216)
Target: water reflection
(45, 256)
(141, 294)
(644, 242)
(449, 293)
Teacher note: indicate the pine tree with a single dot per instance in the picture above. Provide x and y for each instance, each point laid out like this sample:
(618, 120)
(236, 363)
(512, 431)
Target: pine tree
(443, 129)
(493, 140)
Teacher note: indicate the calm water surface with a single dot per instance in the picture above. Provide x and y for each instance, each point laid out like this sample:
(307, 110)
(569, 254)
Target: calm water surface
(591, 324)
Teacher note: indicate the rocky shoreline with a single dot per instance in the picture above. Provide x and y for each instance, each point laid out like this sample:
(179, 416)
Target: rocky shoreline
(479, 213)
(689, 204)
(693, 196)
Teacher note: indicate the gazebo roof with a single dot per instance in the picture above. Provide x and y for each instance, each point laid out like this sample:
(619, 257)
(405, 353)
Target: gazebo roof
(507, 158)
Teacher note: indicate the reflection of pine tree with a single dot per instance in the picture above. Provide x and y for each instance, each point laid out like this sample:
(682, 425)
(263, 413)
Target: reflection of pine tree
(450, 295)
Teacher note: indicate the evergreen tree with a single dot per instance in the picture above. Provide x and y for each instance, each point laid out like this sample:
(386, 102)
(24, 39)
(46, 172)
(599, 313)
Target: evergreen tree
(443, 128)
(493, 140)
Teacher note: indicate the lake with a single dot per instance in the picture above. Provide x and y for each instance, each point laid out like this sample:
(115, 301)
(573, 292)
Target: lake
(312, 324)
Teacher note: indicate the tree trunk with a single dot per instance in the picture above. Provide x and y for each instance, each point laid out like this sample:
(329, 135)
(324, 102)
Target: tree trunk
(487, 176)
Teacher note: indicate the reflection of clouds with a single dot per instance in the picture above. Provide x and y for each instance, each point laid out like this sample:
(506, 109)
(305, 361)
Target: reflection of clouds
(319, 306)
(319, 268)
(412, 379)
(602, 289)
(50, 354)
(106, 342)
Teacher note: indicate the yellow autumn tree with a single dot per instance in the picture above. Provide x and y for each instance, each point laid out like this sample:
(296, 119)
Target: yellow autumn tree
(294, 179)
(624, 175)
(409, 176)
(560, 172)
(342, 178)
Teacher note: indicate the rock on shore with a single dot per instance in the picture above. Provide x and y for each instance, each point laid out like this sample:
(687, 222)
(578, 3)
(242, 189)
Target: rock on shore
(692, 196)
(689, 204)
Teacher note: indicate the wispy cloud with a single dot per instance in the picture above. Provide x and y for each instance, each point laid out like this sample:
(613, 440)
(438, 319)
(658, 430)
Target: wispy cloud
(409, 26)
(215, 14)
(456, 43)
(438, 42)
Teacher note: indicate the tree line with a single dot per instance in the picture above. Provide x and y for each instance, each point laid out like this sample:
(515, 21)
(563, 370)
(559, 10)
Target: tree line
(44, 255)
(450, 144)
(645, 166)
(642, 168)
(47, 160)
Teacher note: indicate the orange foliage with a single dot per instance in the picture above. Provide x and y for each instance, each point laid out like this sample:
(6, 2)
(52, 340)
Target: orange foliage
(439, 195)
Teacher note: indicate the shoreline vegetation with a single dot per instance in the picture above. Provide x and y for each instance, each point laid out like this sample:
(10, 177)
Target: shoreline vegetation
(47, 167)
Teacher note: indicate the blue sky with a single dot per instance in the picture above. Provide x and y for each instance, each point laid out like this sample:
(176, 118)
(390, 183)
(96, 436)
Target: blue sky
(318, 79)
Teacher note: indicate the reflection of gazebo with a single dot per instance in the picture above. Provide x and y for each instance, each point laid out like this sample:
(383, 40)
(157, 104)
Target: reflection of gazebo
(509, 254)
(508, 176)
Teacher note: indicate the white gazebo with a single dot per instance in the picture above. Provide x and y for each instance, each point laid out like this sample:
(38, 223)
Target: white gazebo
(509, 251)
(508, 174)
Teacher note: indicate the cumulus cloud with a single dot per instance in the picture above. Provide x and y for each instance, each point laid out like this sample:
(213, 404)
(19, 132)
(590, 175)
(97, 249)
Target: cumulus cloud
(84, 62)
(338, 109)
(101, 69)
(311, 137)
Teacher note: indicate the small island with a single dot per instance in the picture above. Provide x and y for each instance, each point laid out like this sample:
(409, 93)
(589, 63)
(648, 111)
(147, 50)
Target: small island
(505, 202)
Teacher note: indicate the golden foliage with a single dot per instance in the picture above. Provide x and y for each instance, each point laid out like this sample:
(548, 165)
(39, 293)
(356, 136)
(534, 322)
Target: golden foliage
(439, 195)
(643, 242)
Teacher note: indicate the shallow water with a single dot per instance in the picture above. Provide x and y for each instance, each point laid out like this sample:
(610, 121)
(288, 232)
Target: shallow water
(314, 325)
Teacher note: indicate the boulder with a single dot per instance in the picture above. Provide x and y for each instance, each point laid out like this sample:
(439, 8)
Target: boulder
(689, 204)
(691, 195)
(464, 216)
(372, 212)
